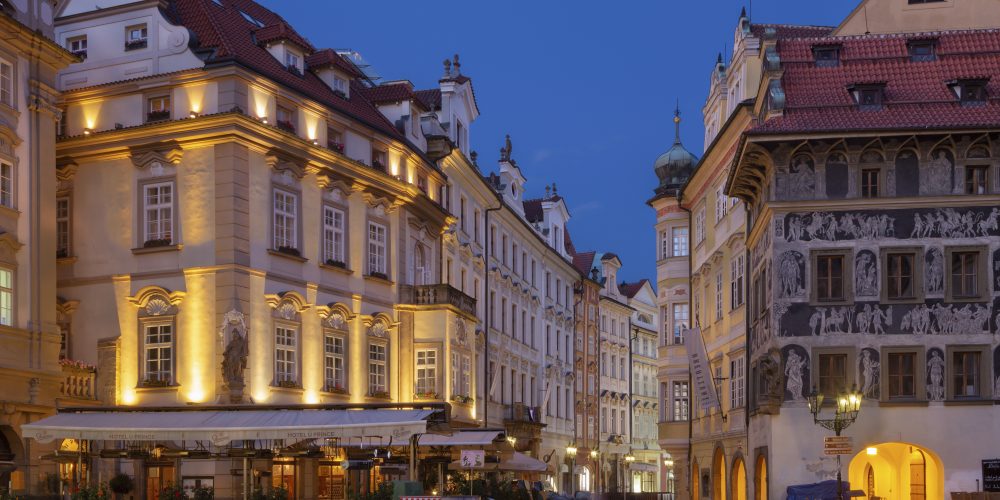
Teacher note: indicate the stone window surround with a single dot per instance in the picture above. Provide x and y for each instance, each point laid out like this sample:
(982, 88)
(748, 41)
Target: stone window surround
(140, 232)
(295, 326)
(851, 365)
(384, 222)
(439, 364)
(346, 230)
(985, 372)
(848, 276)
(919, 372)
(918, 274)
(981, 276)
(297, 193)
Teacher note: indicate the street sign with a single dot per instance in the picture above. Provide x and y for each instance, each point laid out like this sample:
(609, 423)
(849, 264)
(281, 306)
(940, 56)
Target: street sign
(473, 459)
(838, 445)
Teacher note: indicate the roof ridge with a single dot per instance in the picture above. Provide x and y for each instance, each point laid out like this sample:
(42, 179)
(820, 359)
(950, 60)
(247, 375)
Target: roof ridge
(227, 48)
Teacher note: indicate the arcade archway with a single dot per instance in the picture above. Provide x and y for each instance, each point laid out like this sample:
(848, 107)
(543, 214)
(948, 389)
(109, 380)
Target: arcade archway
(760, 478)
(719, 475)
(738, 481)
(897, 471)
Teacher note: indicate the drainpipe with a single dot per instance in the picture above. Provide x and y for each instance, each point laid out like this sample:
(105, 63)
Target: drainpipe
(489, 313)
(694, 475)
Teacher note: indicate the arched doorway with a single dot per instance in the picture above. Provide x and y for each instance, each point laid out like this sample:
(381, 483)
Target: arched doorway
(897, 471)
(738, 481)
(760, 478)
(584, 479)
(719, 475)
(695, 478)
(419, 265)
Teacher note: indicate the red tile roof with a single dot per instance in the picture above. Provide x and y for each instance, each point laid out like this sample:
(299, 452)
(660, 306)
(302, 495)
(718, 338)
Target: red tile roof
(227, 36)
(431, 99)
(392, 92)
(916, 94)
(789, 30)
(533, 210)
(584, 262)
(281, 31)
(328, 57)
(630, 289)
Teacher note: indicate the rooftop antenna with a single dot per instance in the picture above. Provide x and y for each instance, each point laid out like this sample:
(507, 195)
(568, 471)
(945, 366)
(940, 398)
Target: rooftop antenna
(867, 32)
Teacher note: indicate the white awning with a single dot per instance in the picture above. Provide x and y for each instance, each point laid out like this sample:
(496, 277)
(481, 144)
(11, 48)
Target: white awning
(460, 438)
(642, 467)
(221, 426)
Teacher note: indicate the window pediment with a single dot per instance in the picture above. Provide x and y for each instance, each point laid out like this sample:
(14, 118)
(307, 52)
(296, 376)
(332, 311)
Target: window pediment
(156, 156)
(156, 301)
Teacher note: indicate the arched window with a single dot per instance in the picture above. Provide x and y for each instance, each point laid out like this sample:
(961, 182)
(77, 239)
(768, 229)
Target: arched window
(157, 335)
(719, 475)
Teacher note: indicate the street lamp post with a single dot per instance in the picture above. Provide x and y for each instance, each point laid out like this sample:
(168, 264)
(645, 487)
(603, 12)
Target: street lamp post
(845, 413)
(571, 459)
(629, 458)
(668, 463)
(597, 469)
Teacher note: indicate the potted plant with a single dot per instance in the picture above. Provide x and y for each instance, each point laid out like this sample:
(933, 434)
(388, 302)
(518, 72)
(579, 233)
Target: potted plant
(153, 116)
(381, 276)
(379, 394)
(154, 381)
(336, 263)
(160, 242)
(426, 395)
(121, 484)
(336, 389)
(289, 251)
(336, 146)
(288, 384)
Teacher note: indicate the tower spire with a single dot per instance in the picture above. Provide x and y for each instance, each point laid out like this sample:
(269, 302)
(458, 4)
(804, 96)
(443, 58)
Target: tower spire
(677, 123)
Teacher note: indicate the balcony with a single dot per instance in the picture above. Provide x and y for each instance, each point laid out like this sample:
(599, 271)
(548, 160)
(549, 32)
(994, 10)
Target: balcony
(437, 295)
(79, 381)
(520, 412)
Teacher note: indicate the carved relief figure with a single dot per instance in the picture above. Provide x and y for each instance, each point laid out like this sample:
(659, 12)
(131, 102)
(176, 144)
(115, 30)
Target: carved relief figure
(791, 270)
(935, 375)
(794, 367)
(873, 319)
(865, 274)
(800, 182)
(770, 373)
(934, 274)
(869, 368)
(936, 175)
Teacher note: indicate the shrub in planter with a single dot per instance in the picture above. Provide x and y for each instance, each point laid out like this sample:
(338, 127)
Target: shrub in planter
(121, 484)
(164, 242)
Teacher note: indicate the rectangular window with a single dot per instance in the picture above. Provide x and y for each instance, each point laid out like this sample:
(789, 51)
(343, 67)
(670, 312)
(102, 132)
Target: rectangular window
(902, 375)
(285, 354)
(830, 277)
(426, 372)
(869, 182)
(285, 221)
(159, 108)
(975, 179)
(62, 227)
(6, 297)
(158, 210)
(333, 363)
(736, 292)
(718, 296)
(7, 185)
(737, 389)
(378, 159)
(699, 226)
(922, 50)
(475, 225)
(826, 57)
(77, 45)
(377, 383)
(832, 374)
(333, 236)
(680, 401)
(376, 249)
(285, 118)
(664, 245)
(679, 236)
(899, 275)
(6, 84)
(461, 213)
(292, 60)
(965, 374)
(721, 204)
(681, 318)
(964, 279)
(159, 347)
(136, 37)
(340, 85)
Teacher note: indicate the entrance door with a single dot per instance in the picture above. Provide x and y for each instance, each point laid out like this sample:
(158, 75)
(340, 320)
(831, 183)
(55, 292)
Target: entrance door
(157, 478)
(870, 482)
(918, 475)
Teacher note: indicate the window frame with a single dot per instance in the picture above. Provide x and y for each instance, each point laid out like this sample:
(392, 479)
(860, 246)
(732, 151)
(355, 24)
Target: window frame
(8, 184)
(374, 389)
(64, 226)
(847, 276)
(376, 262)
(737, 381)
(980, 273)
(678, 334)
(977, 185)
(866, 188)
(171, 346)
(161, 112)
(81, 41)
(144, 217)
(136, 43)
(850, 367)
(330, 357)
(919, 373)
(294, 378)
(285, 215)
(8, 83)
(737, 281)
(682, 412)
(431, 368)
(917, 279)
(984, 382)
(8, 296)
(331, 249)
(680, 237)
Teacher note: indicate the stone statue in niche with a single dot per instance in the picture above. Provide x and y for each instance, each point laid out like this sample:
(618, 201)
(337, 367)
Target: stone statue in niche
(935, 374)
(868, 367)
(770, 376)
(791, 274)
(234, 357)
(795, 366)
(934, 270)
(800, 181)
(936, 176)
(865, 274)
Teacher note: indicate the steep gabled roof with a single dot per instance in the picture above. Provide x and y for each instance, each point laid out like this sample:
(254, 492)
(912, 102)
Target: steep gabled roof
(533, 210)
(917, 96)
(584, 262)
(781, 31)
(431, 98)
(630, 289)
(225, 35)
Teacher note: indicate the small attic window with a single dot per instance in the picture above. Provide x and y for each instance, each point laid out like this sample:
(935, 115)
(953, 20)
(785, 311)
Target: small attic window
(293, 62)
(340, 85)
(869, 96)
(252, 20)
(922, 50)
(970, 91)
(827, 56)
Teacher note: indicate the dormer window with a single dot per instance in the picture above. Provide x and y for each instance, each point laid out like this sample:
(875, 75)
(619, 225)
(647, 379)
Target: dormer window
(78, 46)
(827, 56)
(293, 62)
(922, 50)
(286, 118)
(335, 140)
(159, 108)
(378, 159)
(136, 37)
(970, 92)
(340, 85)
(868, 96)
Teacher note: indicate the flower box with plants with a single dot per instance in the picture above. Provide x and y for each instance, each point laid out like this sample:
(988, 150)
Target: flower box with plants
(377, 165)
(336, 146)
(136, 44)
(153, 116)
(286, 125)
(336, 263)
(426, 395)
(461, 398)
(161, 242)
(80, 366)
(378, 275)
(336, 389)
(154, 381)
(289, 251)
(379, 394)
(288, 384)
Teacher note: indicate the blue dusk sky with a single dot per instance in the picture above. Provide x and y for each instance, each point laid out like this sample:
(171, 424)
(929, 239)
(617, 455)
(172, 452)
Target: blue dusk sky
(586, 89)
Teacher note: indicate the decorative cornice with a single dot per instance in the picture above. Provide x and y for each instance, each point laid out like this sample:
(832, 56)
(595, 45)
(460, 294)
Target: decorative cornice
(162, 153)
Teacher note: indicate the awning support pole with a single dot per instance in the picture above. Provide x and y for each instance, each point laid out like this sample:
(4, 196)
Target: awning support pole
(246, 493)
(413, 456)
